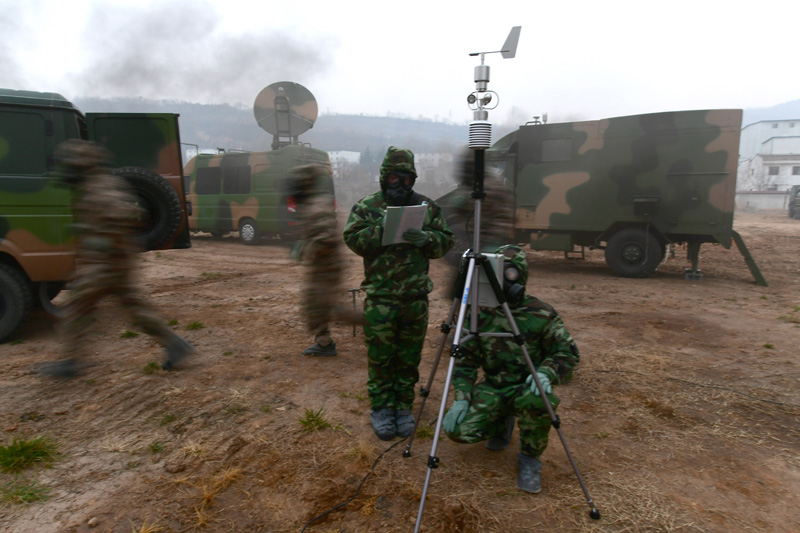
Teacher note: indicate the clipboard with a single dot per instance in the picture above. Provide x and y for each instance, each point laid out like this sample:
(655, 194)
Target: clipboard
(399, 219)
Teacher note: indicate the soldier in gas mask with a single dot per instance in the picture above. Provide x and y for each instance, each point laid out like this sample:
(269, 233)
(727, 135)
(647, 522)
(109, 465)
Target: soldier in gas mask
(105, 217)
(486, 410)
(397, 285)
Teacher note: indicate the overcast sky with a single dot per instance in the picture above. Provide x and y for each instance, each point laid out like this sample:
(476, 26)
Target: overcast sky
(576, 60)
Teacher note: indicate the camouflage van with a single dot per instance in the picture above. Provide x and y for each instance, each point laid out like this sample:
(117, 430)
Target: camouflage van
(630, 185)
(793, 202)
(36, 241)
(246, 192)
(249, 192)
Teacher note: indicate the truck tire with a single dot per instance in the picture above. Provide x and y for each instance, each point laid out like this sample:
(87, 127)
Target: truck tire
(634, 253)
(16, 299)
(248, 231)
(45, 292)
(160, 202)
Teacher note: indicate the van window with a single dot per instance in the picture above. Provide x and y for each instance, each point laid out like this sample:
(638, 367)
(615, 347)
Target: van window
(236, 180)
(23, 144)
(209, 180)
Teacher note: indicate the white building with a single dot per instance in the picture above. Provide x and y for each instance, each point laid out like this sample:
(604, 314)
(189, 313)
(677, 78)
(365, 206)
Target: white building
(769, 155)
(341, 159)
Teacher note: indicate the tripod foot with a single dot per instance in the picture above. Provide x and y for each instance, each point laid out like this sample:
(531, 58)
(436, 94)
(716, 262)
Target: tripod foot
(406, 453)
(595, 514)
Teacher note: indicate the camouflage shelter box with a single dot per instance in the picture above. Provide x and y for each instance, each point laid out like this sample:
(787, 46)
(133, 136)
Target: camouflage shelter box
(37, 244)
(630, 185)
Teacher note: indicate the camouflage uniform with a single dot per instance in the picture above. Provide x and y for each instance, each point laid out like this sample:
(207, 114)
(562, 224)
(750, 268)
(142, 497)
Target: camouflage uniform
(105, 215)
(497, 208)
(503, 391)
(396, 283)
(320, 247)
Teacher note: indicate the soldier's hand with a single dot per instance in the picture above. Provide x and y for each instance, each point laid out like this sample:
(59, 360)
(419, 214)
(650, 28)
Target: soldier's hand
(417, 237)
(544, 379)
(455, 415)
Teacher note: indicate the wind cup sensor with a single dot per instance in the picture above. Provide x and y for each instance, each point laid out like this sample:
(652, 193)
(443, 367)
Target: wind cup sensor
(480, 99)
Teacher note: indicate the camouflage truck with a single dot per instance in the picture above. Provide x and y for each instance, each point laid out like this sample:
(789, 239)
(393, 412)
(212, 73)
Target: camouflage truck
(247, 191)
(631, 185)
(37, 245)
(793, 202)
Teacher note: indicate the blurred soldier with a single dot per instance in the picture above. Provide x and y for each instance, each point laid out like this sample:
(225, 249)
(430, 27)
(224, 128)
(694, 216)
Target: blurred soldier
(105, 216)
(497, 208)
(486, 410)
(397, 285)
(320, 247)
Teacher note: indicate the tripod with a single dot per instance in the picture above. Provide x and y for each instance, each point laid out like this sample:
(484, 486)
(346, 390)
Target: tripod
(467, 279)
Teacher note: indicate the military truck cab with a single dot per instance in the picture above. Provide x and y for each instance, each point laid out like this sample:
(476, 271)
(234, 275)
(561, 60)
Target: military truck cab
(630, 185)
(36, 240)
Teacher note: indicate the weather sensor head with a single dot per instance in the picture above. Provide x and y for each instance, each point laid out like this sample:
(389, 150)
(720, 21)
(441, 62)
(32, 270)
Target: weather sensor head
(482, 99)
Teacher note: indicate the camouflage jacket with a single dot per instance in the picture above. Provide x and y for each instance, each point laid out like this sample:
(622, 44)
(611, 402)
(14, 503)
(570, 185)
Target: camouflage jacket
(105, 216)
(398, 270)
(549, 345)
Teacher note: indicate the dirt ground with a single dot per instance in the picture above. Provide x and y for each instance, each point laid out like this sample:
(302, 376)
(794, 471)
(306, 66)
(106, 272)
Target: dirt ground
(684, 414)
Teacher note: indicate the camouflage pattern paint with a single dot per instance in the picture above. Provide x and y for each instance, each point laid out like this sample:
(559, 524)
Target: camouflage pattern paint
(669, 175)
(261, 196)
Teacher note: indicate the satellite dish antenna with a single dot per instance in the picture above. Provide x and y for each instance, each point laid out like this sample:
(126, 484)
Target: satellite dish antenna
(285, 109)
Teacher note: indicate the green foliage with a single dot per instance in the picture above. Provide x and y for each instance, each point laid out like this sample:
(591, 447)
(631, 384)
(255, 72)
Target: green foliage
(195, 325)
(151, 367)
(266, 407)
(314, 420)
(128, 334)
(425, 432)
(23, 491)
(167, 418)
(172, 322)
(227, 353)
(157, 446)
(22, 454)
(769, 345)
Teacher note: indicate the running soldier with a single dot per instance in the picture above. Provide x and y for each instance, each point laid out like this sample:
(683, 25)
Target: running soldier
(486, 409)
(397, 285)
(319, 246)
(497, 208)
(105, 216)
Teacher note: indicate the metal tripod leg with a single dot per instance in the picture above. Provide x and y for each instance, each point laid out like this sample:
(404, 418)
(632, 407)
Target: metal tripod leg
(433, 461)
(424, 391)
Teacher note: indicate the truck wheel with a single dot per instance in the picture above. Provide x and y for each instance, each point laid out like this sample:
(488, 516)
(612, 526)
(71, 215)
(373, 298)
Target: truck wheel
(248, 231)
(160, 202)
(46, 291)
(16, 299)
(634, 253)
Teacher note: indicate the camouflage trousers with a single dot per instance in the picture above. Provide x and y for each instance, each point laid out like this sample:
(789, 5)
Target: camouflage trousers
(94, 282)
(489, 408)
(394, 332)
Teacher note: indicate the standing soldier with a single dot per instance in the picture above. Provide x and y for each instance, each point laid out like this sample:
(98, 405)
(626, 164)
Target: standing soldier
(397, 285)
(105, 215)
(487, 409)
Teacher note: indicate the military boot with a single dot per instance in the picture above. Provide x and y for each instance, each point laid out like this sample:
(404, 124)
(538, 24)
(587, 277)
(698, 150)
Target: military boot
(529, 477)
(502, 439)
(177, 349)
(404, 422)
(383, 422)
(329, 350)
(65, 368)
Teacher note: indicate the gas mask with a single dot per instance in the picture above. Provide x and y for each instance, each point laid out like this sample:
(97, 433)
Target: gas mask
(398, 188)
(513, 290)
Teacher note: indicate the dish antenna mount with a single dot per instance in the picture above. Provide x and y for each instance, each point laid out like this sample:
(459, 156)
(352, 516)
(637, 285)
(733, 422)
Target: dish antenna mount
(285, 109)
